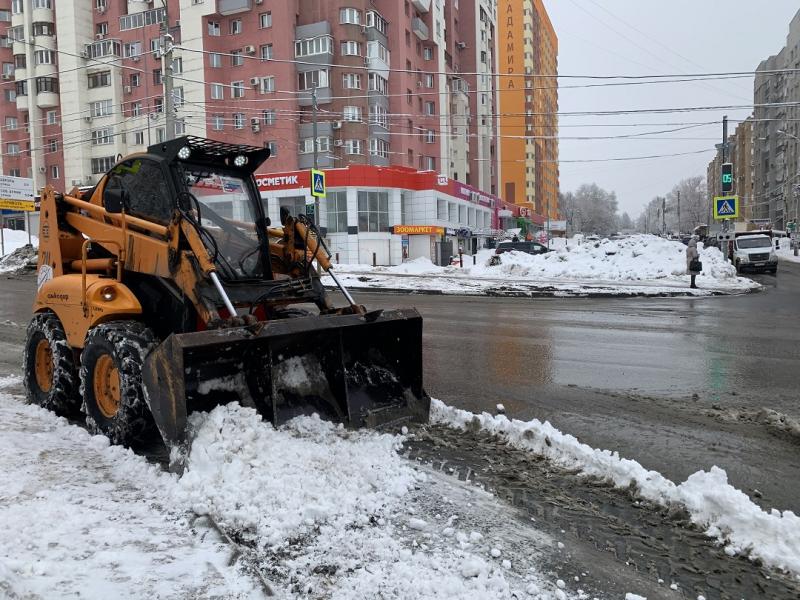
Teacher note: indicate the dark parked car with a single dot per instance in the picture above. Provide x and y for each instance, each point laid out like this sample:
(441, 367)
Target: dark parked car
(527, 247)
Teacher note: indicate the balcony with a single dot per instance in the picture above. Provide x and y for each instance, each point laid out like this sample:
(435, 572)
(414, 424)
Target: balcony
(422, 6)
(420, 29)
(231, 7)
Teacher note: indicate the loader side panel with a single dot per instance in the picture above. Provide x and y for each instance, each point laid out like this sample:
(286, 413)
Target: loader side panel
(64, 296)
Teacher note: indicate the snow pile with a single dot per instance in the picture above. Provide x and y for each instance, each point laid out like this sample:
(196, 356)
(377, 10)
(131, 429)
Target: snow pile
(330, 510)
(13, 239)
(785, 251)
(82, 518)
(22, 258)
(727, 514)
(635, 261)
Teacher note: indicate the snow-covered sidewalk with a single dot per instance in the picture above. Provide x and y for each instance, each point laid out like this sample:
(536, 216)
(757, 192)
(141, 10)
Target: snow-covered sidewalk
(318, 511)
(786, 253)
(642, 265)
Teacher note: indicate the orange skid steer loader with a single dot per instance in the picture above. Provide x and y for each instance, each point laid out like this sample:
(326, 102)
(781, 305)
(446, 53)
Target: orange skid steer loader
(164, 290)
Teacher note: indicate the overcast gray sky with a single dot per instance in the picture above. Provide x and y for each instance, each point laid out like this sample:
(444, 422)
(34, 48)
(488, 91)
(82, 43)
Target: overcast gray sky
(644, 37)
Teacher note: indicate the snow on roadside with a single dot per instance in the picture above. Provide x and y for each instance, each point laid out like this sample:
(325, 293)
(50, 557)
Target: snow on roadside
(338, 513)
(638, 261)
(724, 512)
(82, 518)
(785, 251)
(14, 239)
(326, 511)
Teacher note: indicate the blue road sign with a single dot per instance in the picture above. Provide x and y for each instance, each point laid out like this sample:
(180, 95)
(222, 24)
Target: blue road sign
(317, 183)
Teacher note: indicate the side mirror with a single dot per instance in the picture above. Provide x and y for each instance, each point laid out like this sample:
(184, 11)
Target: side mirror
(115, 200)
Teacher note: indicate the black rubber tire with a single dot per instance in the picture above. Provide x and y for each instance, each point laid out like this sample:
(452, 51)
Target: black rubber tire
(127, 343)
(62, 397)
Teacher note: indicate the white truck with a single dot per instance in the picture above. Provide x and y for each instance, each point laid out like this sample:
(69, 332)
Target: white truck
(754, 252)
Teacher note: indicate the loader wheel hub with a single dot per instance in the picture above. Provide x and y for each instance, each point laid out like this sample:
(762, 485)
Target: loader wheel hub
(44, 366)
(106, 386)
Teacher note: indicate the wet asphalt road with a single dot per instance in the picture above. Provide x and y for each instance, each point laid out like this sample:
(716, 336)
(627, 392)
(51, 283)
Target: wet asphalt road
(678, 384)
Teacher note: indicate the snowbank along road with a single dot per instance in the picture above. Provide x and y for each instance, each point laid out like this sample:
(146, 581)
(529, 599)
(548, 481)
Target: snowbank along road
(467, 507)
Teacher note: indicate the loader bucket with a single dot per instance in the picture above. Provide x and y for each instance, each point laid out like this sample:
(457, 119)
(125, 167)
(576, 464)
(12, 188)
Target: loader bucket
(364, 371)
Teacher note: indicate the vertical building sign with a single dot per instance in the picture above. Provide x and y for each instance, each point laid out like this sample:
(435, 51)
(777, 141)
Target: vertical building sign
(512, 100)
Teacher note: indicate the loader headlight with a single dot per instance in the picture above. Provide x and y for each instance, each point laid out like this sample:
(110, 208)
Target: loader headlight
(240, 161)
(184, 153)
(108, 293)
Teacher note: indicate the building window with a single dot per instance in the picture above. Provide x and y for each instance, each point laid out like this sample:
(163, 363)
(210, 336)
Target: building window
(46, 84)
(102, 165)
(323, 145)
(462, 214)
(217, 91)
(265, 20)
(430, 136)
(101, 108)
(101, 30)
(217, 122)
(215, 60)
(155, 46)
(430, 108)
(268, 116)
(352, 147)
(135, 80)
(379, 51)
(43, 28)
(214, 29)
(12, 149)
(266, 52)
(352, 113)
(441, 209)
(378, 147)
(101, 137)
(427, 53)
(238, 120)
(428, 80)
(237, 89)
(45, 57)
(351, 81)
(52, 117)
(378, 84)
(373, 211)
(378, 116)
(131, 49)
(351, 16)
(136, 109)
(273, 148)
(101, 79)
(138, 137)
(377, 21)
(267, 85)
(54, 172)
(235, 27)
(311, 46)
(237, 58)
(337, 212)
(310, 79)
(158, 78)
(12, 123)
(351, 48)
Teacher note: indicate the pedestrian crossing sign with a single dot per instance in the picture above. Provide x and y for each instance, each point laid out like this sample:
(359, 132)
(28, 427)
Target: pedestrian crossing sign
(726, 207)
(317, 183)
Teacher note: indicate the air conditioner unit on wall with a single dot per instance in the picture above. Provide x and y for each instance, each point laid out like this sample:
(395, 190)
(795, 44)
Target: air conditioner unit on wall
(338, 142)
(255, 81)
(42, 169)
(250, 49)
(336, 125)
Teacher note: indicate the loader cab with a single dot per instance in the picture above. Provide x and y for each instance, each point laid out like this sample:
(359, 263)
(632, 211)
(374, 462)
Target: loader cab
(210, 185)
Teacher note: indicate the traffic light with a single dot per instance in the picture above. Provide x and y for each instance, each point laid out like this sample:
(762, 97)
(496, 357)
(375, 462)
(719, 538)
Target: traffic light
(727, 178)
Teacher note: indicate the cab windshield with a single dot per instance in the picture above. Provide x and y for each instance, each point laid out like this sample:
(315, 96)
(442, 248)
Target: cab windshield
(226, 213)
(759, 242)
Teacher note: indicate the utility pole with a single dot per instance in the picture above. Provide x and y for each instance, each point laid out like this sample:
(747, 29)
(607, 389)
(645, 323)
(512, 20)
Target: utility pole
(679, 212)
(167, 74)
(314, 107)
(664, 216)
